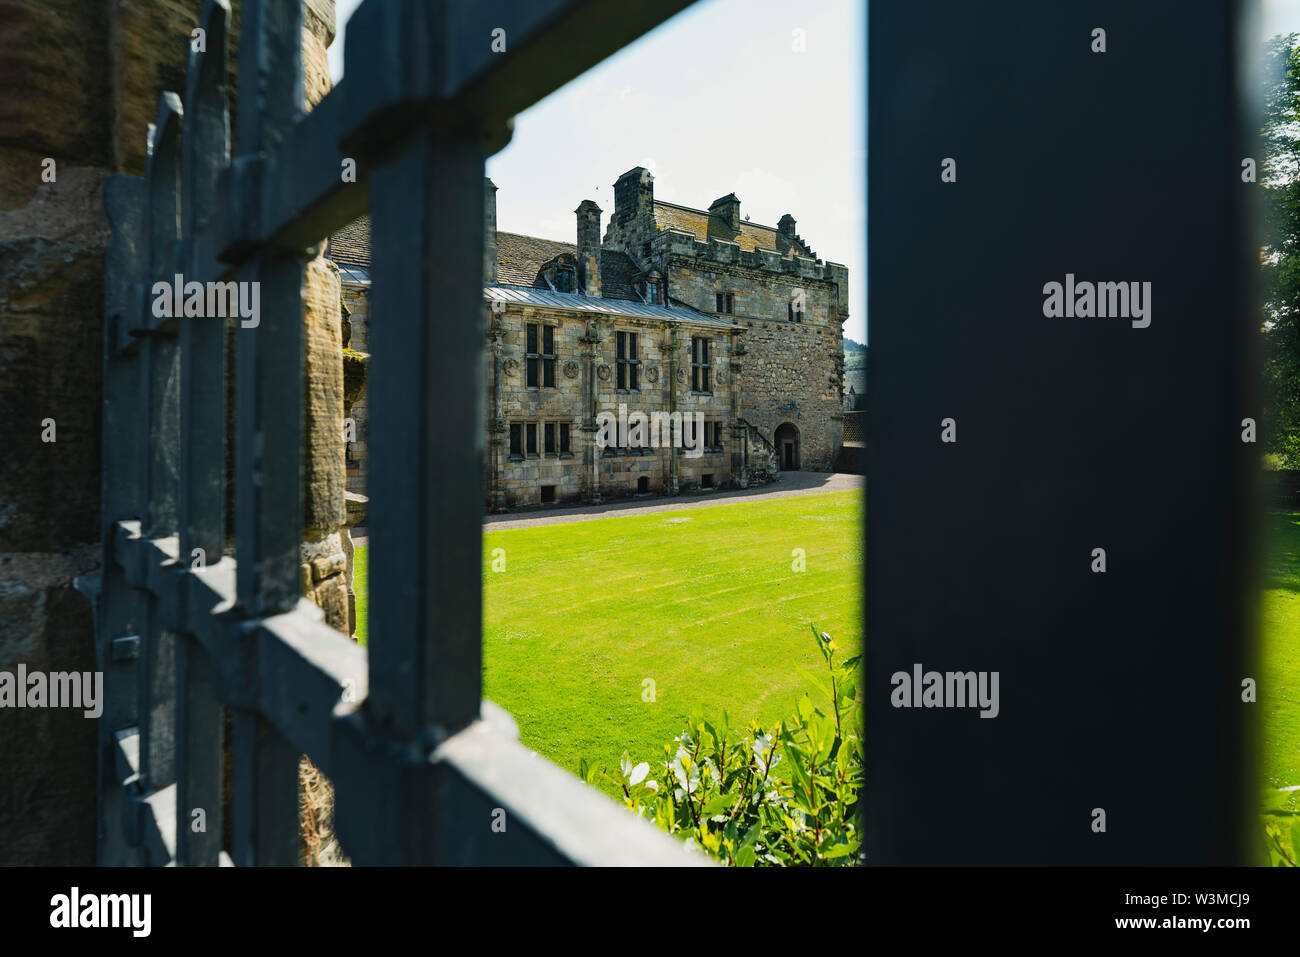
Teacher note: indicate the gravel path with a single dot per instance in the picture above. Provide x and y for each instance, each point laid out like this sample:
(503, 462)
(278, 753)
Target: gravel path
(790, 483)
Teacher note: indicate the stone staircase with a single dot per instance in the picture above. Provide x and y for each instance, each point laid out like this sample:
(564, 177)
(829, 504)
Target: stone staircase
(763, 465)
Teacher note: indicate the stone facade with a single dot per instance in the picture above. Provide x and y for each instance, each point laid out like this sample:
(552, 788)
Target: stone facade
(771, 312)
(521, 468)
(768, 279)
(357, 303)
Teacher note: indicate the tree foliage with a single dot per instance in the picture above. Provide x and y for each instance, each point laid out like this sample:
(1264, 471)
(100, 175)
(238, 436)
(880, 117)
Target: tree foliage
(1279, 178)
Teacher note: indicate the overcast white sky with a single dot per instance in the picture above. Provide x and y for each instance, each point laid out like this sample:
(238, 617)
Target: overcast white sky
(717, 101)
(1279, 16)
(714, 101)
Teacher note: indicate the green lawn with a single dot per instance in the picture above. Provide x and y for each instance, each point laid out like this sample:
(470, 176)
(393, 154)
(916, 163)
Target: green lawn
(703, 602)
(1279, 685)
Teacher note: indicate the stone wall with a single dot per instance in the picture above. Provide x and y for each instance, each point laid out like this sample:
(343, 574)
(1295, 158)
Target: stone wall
(794, 367)
(356, 299)
(792, 370)
(585, 385)
(82, 81)
(75, 75)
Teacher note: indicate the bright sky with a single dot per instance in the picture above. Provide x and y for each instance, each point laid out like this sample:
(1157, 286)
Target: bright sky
(714, 101)
(1279, 16)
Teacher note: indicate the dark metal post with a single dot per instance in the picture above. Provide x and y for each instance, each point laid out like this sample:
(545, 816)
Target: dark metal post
(269, 440)
(206, 151)
(159, 405)
(426, 395)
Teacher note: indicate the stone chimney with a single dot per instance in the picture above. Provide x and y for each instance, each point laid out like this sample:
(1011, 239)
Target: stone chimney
(727, 209)
(785, 225)
(589, 247)
(489, 232)
(634, 196)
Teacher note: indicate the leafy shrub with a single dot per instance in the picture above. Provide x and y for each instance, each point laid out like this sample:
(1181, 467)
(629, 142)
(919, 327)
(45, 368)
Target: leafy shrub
(780, 795)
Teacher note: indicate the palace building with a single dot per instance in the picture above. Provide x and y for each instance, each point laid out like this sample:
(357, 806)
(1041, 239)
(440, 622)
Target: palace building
(698, 316)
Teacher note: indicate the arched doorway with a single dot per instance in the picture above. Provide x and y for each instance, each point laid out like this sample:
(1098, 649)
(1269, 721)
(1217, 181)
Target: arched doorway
(787, 447)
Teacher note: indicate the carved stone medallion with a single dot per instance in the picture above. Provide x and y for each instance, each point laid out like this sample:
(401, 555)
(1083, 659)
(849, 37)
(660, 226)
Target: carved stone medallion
(652, 375)
(681, 376)
(721, 376)
(571, 369)
(510, 367)
(602, 371)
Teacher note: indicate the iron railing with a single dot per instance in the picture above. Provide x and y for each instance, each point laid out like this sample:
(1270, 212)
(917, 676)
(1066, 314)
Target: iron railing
(422, 767)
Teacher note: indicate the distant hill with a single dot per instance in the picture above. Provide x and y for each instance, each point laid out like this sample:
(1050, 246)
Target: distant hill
(855, 355)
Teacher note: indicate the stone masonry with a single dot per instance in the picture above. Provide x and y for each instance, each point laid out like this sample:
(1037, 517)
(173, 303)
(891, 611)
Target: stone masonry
(81, 85)
(772, 314)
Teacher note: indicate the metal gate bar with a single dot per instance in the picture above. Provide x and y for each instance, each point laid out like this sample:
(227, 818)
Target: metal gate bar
(420, 764)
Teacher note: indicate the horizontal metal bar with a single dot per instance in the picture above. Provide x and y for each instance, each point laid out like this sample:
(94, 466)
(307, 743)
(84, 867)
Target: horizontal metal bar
(480, 797)
(292, 667)
(308, 673)
(550, 816)
(126, 753)
(158, 832)
(297, 186)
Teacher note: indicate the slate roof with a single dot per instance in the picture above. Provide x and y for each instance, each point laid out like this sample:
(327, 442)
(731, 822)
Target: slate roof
(531, 295)
(705, 226)
(519, 259)
(351, 244)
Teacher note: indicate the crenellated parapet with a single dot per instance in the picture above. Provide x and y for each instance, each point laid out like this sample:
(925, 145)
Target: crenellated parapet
(676, 242)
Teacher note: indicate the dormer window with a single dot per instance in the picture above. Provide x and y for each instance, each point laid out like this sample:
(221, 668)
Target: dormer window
(651, 292)
(563, 280)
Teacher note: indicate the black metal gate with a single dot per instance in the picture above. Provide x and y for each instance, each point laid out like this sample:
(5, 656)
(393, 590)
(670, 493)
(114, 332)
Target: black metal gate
(422, 767)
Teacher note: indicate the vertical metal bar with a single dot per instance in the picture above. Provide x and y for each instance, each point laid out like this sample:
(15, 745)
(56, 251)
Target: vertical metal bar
(160, 384)
(198, 757)
(206, 150)
(124, 203)
(265, 812)
(268, 509)
(203, 355)
(427, 400)
(268, 513)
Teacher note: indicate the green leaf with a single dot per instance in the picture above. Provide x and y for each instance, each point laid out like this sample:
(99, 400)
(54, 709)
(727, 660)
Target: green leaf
(718, 804)
(745, 857)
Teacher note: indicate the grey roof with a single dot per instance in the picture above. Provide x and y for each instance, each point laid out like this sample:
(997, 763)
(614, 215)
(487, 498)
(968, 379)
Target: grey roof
(531, 296)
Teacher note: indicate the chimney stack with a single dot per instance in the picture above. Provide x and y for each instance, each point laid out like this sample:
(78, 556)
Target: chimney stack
(589, 247)
(634, 196)
(489, 232)
(786, 226)
(728, 210)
